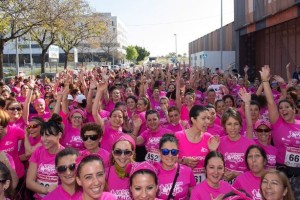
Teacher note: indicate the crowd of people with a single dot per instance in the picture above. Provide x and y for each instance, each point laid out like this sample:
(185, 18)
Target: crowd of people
(174, 133)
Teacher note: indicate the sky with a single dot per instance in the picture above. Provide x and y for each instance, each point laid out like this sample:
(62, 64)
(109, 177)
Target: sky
(153, 23)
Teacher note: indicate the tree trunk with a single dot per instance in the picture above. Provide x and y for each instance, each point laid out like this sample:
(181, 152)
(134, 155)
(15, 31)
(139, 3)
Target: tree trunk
(1, 58)
(43, 60)
(66, 59)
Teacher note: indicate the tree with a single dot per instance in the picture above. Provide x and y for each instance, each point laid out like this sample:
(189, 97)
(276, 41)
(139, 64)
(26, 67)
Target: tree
(108, 43)
(143, 53)
(55, 13)
(16, 20)
(131, 53)
(82, 25)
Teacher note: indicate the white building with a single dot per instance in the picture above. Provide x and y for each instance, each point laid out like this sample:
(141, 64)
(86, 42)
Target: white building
(115, 25)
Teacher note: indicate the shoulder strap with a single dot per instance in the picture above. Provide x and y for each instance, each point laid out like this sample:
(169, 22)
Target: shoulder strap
(174, 182)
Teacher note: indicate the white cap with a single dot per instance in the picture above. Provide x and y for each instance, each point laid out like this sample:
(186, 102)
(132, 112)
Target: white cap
(70, 97)
(79, 98)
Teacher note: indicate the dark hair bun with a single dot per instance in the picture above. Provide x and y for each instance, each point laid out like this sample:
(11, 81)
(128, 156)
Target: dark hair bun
(56, 118)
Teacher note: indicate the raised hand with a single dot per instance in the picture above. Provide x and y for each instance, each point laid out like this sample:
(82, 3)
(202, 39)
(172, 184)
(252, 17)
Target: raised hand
(246, 68)
(288, 66)
(278, 79)
(265, 73)
(244, 95)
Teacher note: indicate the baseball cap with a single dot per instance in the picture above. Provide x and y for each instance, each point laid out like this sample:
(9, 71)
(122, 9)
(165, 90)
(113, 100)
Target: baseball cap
(262, 122)
(79, 98)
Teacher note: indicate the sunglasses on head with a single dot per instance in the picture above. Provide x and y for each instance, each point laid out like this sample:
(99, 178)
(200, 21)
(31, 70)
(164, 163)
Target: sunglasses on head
(15, 108)
(165, 152)
(260, 130)
(33, 126)
(91, 137)
(119, 152)
(63, 168)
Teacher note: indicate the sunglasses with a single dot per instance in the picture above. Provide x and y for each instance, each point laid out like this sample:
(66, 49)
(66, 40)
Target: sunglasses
(63, 168)
(119, 152)
(91, 137)
(15, 108)
(3, 181)
(165, 152)
(33, 126)
(260, 130)
(47, 97)
(51, 107)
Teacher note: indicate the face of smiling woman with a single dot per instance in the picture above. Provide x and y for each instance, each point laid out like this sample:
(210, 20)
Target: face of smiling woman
(143, 187)
(91, 179)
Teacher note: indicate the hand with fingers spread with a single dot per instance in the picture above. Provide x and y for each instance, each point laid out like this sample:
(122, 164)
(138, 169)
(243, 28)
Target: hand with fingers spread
(265, 73)
(244, 95)
(278, 79)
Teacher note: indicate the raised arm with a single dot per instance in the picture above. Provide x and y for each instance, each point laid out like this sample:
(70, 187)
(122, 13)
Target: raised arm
(25, 114)
(246, 97)
(89, 101)
(272, 107)
(101, 87)
(288, 73)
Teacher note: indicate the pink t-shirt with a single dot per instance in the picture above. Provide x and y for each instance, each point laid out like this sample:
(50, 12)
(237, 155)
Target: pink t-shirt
(104, 196)
(184, 113)
(46, 172)
(271, 152)
(184, 181)
(234, 152)
(109, 137)
(102, 153)
(250, 183)
(110, 106)
(60, 193)
(198, 151)
(71, 138)
(203, 191)
(9, 144)
(286, 137)
(216, 130)
(175, 128)
(19, 123)
(151, 141)
(103, 114)
(155, 105)
(45, 116)
(116, 185)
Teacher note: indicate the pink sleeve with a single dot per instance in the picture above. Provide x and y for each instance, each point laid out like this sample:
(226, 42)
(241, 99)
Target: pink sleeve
(145, 135)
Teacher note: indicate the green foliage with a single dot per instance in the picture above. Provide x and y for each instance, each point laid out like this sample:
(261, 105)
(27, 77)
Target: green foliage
(143, 53)
(131, 53)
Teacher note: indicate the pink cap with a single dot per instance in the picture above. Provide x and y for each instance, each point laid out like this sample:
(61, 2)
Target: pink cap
(77, 111)
(126, 137)
(262, 122)
(134, 167)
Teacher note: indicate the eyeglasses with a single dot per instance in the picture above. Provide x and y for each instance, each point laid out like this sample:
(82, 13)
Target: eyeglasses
(63, 168)
(33, 126)
(119, 152)
(260, 130)
(165, 152)
(91, 137)
(15, 108)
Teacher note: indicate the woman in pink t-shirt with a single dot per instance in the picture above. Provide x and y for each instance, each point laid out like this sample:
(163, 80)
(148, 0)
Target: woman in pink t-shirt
(131, 103)
(9, 140)
(233, 146)
(32, 138)
(229, 101)
(220, 109)
(143, 180)
(122, 154)
(213, 187)
(256, 159)
(150, 137)
(42, 177)
(169, 167)
(90, 175)
(195, 143)
(91, 135)
(214, 128)
(175, 124)
(285, 131)
(65, 164)
(16, 114)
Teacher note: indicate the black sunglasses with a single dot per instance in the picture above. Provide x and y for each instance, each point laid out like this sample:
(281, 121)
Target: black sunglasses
(91, 137)
(260, 130)
(119, 152)
(63, 168)
(15, 108)
(165, 152)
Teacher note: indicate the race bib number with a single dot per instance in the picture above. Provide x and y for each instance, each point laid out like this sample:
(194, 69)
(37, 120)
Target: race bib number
(199, 177)
(152, 156)
(292, 157)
